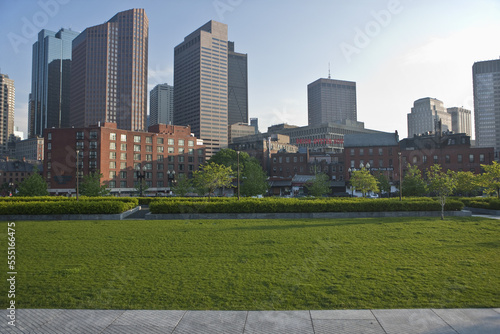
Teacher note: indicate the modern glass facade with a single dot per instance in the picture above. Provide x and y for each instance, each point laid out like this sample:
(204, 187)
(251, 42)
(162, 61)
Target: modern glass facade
(201, 85)
(109, 73)
(7, 107)
(486, 85)
(50, 81)
(237, 86)
(161, 104)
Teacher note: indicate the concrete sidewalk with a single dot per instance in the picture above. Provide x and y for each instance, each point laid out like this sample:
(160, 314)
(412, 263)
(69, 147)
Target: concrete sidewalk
(443, 321)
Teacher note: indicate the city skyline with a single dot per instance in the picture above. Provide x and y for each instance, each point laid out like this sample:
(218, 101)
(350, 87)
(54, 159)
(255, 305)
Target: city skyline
(382, 46)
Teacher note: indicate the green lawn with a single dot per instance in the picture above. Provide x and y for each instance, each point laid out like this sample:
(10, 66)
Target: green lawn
(257, 264)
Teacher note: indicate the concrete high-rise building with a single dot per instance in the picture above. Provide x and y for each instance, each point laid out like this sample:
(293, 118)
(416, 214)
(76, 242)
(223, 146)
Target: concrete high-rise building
(237, 85)
(110, 72)
(486, 84)
(425, 115)
(331, 101)
(50, 81)
(161, 104)
(460, 120)
(201, 82)
(255, 123)
(7, 107)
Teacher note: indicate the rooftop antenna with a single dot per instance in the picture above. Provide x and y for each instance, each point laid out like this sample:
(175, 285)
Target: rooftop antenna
(329, 77)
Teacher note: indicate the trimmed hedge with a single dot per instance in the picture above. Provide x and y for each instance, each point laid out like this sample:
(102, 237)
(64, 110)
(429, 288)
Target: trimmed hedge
(292, 205)
(67, 199)
(65, 207)
(491, 203)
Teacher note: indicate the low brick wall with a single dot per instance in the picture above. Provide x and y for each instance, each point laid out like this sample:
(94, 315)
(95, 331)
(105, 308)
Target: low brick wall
(193, 216)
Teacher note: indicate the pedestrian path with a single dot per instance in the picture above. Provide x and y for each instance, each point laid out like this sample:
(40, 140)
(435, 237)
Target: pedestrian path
(442, 321)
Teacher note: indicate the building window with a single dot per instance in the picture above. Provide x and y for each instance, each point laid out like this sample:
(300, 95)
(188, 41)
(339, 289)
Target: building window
(137, 139)
(180, 142)
(171, 141)
(380, 151)
(123, 165)
(159, 184)
(390, 150)
(93, 155)
(112, 136)
(424, 159)
(79, 145)
(49, 146)
(112, 164)
(159, 175)
(381, 162)
(137, 157)
(159, 157)
(415, 159)
(149, 166)
(149, 148)
(370, 151)
(112, 174)
(112, 146)
(159, 140)
(123, 174)
(200, 151)
(181, 167)
(447, 158)
(123, 137)
(471, 157)
(79, 135)
(181, 150)
(294, 159)
(361, 151)
(301, 159)
(170, 150)
(112, 155)
(436, 159)
(481, 158)
(390, 162)
(93, 145)
(123, 184)
(93, 134)
(93, 164)
(287, 159)
(191, 143)
(123, 147)
(137, 148)
(353, 163)
(190, 159)
(149, 157)
(49, 136)
(112, 184)
(191, 151)
(149, 140)
(159, 149)
(181, 158)
(123, 156)
(352, 151)
(159, 166)
(459, 158)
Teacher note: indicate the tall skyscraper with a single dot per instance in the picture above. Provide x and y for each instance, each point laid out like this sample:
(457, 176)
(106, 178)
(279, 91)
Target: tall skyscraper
(7, 107)
(201, 81)
(331, 101)
(425, 114)
(50, 81)
(237, 85)
(110, 72)
(486, 85)
(161, 104)
(460, 120)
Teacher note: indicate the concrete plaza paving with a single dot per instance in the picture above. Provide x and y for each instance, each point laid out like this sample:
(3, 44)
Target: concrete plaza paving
(425, 321)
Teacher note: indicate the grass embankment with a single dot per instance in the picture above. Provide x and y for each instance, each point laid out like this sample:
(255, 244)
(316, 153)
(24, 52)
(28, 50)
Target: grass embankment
(257, 264)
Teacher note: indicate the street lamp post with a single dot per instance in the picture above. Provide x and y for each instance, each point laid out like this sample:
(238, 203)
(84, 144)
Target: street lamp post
(238, 152)
(350, 170)
(400, 179)
(141, 177)
(77, 172)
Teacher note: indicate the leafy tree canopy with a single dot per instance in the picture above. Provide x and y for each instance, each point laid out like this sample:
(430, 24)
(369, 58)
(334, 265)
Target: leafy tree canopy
(91, 185)
(34, 185)
(441, 183)
(320, 185)
(490, 179)
(413, 183)
(363, 181)
(212, 176)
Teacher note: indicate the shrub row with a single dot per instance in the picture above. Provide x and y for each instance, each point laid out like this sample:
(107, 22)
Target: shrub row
(66, 199)
(65, 207)
(281, 205)
(491, 203)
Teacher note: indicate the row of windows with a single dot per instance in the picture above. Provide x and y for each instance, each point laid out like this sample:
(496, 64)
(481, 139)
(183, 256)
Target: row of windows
(370, 151)
(149, 184)
(447, 159)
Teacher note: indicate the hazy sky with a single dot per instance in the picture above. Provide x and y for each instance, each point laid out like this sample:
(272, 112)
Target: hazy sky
(395, 51)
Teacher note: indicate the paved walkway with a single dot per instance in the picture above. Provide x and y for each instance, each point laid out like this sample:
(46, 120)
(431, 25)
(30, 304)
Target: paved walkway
(442, 321)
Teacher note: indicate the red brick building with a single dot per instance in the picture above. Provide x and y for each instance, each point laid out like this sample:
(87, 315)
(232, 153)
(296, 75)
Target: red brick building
(162, 154)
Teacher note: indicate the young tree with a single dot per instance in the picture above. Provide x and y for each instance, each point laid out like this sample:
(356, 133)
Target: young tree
(182, 186)
(33, 185)
(320, 185)
(441, 183)
(490, 179)
(253, 179)
(413, 183)
(212, 176)
(363, 181)
(91, 185)
(383, 184)
(467, 184)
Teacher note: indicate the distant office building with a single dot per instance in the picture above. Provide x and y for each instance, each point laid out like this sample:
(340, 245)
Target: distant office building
(240, 130)
(237, 85)
(7, 107)
(161, 104)
(255, 123)
(460, 120)
(18, 134)
(110, 71)
(425, 115)
(486, 84)
(331, 101)
(49, 101)
(30, 149)
(201, 84)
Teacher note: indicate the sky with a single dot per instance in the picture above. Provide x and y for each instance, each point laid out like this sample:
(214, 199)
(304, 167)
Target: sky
(397, 51)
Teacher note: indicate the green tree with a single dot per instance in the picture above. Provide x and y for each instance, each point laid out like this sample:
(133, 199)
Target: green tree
(363, 181)
(140, 187)
(91, 185)
(441, 183)
(212, 176)
(183, 185)
(319, 186)
(490, 179)
(467, 184)
(34, 185)
(413, 183)
(383, 184)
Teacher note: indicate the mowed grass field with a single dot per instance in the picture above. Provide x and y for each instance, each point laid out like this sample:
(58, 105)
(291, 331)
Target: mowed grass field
(256, 264)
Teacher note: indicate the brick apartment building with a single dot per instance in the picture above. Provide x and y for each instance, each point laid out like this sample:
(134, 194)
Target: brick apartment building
(161, 155)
